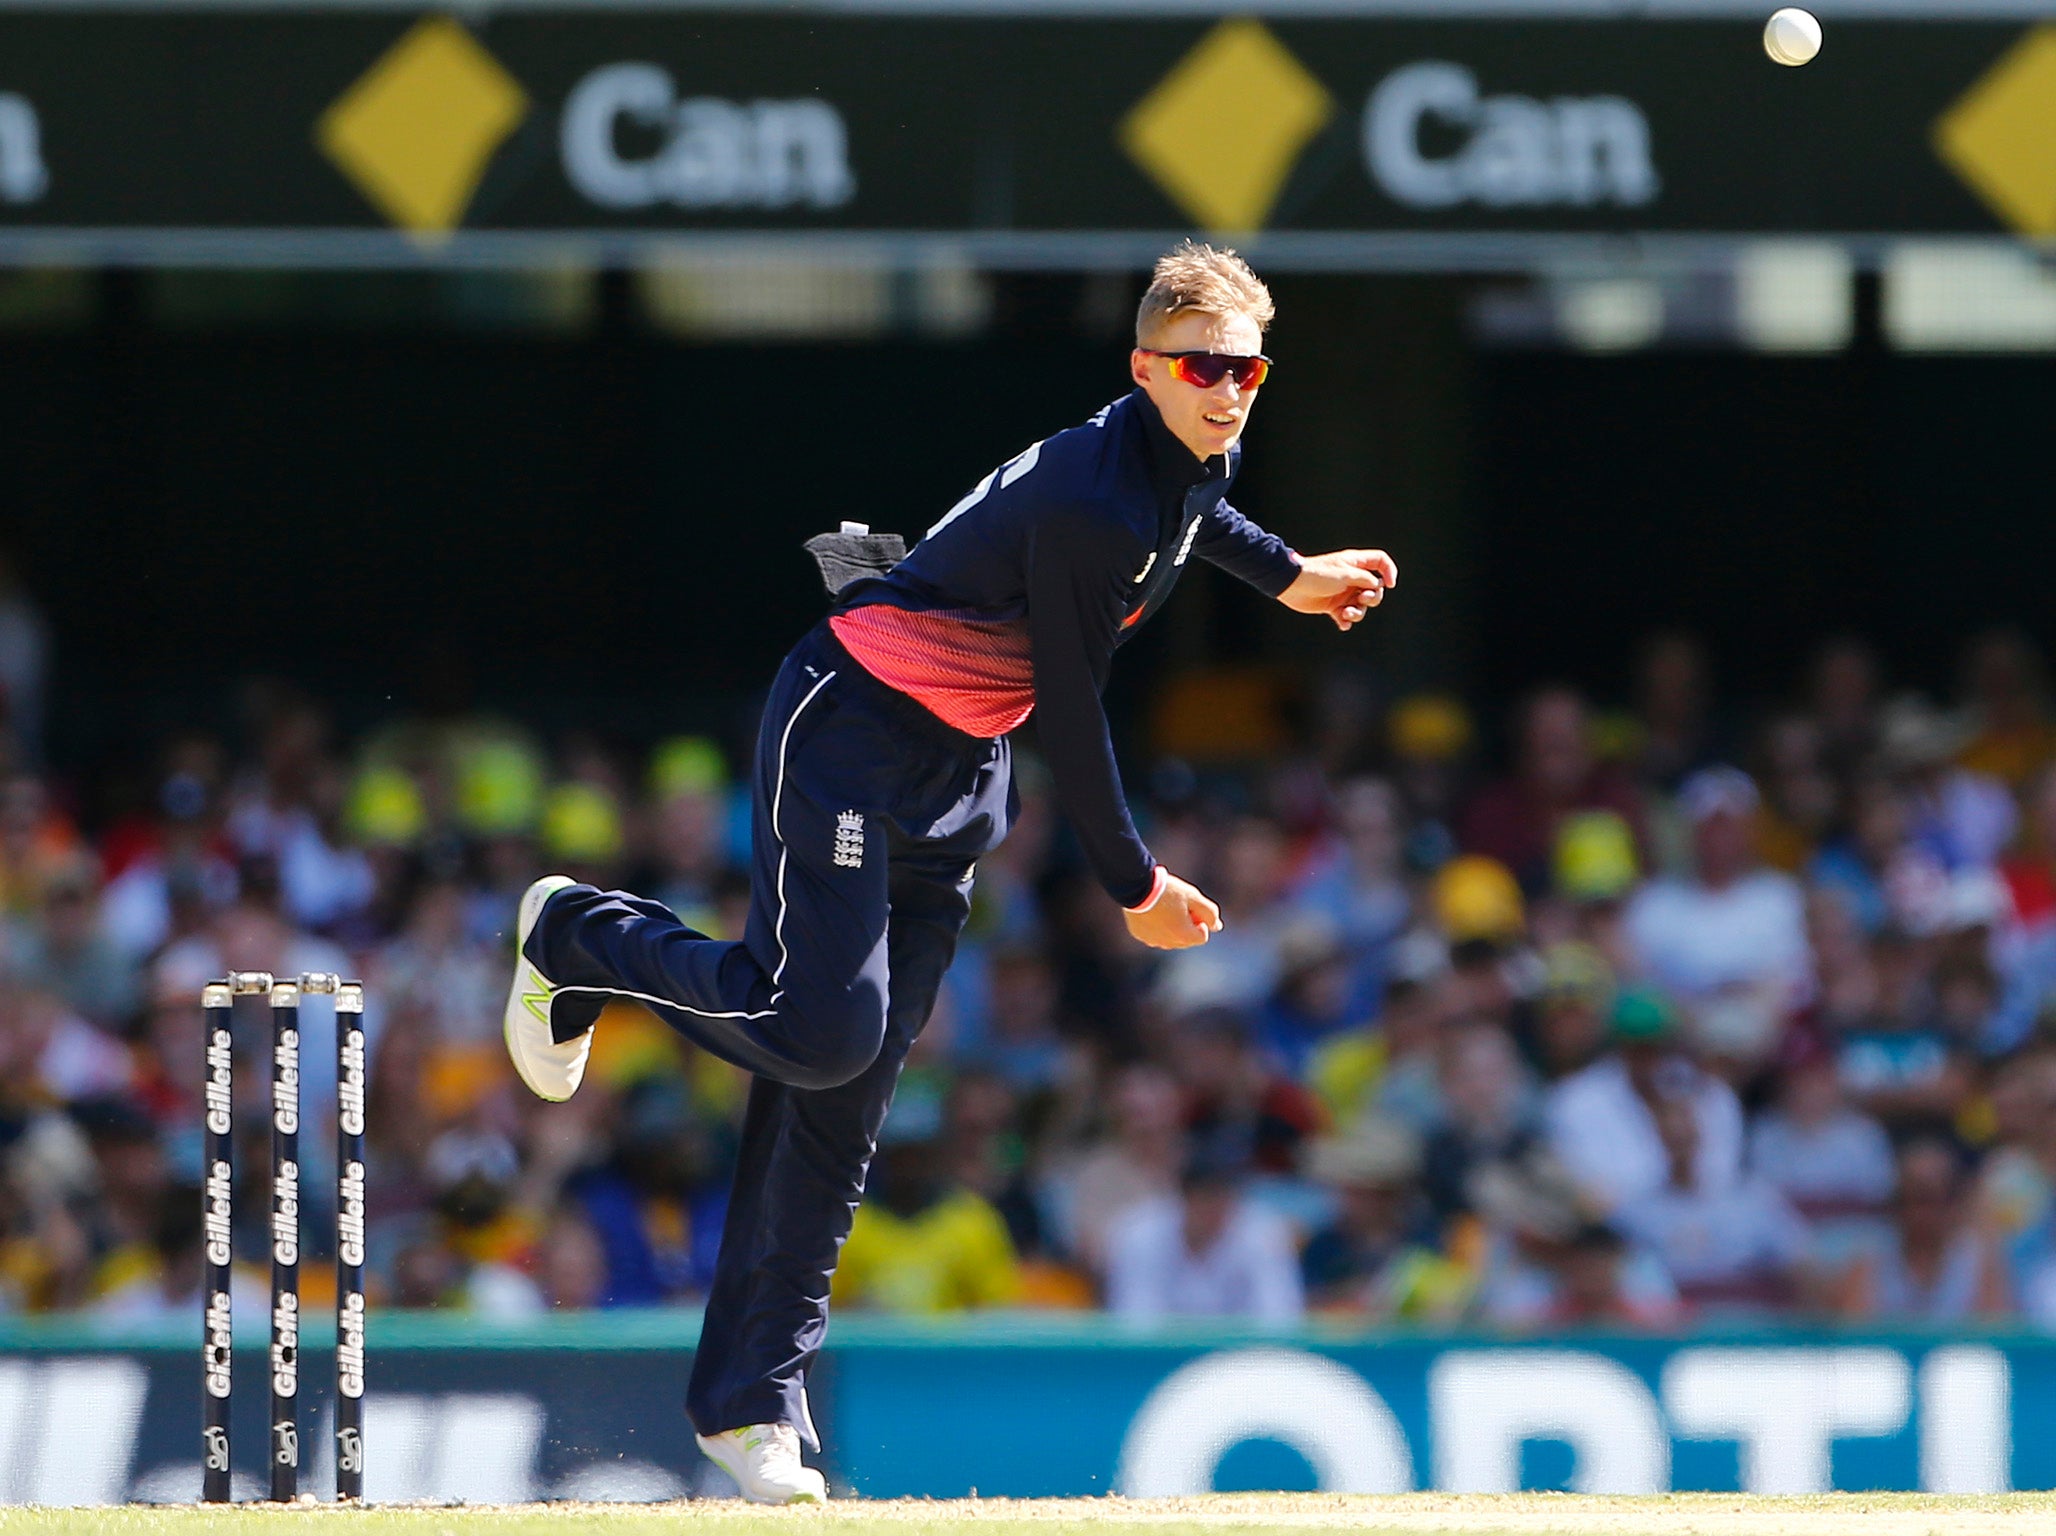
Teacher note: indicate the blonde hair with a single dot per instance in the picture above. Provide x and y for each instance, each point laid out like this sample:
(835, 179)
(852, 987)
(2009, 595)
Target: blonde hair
(1196, 277)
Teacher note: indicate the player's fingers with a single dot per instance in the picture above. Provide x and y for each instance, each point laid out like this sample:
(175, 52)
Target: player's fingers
(1204, 912)
(1374, 563)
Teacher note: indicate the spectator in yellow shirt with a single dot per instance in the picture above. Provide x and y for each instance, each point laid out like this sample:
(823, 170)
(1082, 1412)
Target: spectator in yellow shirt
(921, 1244)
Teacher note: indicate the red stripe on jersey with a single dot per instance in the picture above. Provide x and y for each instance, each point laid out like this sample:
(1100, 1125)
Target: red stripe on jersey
(977, 677)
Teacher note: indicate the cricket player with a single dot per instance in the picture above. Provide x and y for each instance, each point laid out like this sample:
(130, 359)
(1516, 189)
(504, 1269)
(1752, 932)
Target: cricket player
(882, 774)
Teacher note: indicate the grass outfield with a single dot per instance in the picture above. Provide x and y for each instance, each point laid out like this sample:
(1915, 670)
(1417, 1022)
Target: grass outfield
(1426, 1514)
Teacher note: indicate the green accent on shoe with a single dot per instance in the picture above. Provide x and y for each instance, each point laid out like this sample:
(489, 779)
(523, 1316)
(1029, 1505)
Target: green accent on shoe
(537, 1003)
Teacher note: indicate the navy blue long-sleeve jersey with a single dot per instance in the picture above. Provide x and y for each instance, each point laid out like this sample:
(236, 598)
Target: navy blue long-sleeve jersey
(1016, 600)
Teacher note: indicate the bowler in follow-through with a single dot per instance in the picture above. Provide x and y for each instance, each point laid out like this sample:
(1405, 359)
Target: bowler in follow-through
(882, 774)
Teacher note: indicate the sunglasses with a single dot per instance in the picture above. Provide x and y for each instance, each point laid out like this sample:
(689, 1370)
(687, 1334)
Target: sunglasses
(1203, 370)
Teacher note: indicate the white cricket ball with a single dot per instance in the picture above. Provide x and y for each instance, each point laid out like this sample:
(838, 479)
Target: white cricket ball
(1792, 36)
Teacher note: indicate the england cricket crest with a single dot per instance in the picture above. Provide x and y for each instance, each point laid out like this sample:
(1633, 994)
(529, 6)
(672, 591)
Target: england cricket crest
(849, 840)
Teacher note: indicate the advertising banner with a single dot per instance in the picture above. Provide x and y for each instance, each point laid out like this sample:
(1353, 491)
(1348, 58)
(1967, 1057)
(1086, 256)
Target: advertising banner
(591, 1408)
(350, 135)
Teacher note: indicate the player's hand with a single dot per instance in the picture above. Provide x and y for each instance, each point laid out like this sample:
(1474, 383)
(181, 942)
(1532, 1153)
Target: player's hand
(1344, 585)
(1181, 918)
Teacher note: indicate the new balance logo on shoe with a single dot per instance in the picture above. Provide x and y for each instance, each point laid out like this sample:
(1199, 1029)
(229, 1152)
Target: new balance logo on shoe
(849, 840)
(538, 1001)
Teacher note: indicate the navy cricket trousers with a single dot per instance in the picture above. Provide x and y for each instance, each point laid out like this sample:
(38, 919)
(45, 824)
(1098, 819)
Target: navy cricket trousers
(869, 814)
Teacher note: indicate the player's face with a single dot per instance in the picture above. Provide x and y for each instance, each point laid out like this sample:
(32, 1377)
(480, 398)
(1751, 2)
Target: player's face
(1208, 421)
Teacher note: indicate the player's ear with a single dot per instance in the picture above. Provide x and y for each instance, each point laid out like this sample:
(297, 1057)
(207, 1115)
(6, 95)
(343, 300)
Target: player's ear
(1138, 366)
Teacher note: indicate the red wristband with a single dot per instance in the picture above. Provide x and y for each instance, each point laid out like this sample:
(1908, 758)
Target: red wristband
(1157, 881)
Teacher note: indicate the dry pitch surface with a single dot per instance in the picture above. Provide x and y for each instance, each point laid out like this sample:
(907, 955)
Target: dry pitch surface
(1426, 1514)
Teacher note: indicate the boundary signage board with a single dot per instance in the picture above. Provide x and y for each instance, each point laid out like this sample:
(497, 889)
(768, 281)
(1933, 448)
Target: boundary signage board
(588, 1408)
(368, 137)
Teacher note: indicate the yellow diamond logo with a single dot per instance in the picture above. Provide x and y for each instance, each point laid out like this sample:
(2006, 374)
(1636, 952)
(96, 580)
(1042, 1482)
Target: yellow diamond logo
(2001, 137)
(1222, 131)
(416, 133)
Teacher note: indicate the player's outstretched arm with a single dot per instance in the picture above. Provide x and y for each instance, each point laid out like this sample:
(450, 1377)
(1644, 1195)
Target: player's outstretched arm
(1344, 585)
(1180, 916)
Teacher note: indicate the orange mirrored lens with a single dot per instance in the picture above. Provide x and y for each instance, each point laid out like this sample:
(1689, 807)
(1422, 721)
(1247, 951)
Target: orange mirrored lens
(1203, 370)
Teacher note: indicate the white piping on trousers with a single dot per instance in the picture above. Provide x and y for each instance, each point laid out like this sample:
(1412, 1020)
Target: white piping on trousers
(777, 798)
(777, 928)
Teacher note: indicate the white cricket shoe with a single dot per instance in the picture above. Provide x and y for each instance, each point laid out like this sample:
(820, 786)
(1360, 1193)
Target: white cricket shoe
(764, 1460)
(551, 1070)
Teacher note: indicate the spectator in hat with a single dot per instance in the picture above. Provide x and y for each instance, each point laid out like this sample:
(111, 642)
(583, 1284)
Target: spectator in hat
(1961, 819)
(1730, 939)
(1595, 861)
(1572, 1009)
(1480, 913)
(1376, 1258)
(1596, 867)
(1476, 898)
(1428, 737)
(1315, 999)
(1546, 1260)
(688, 825)
(1208, 1251)
(1601, 1122)
(1515, 820)
(582, 831)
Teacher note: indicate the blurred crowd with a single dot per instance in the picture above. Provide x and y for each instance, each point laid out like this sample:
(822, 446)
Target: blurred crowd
(1632, 1016)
